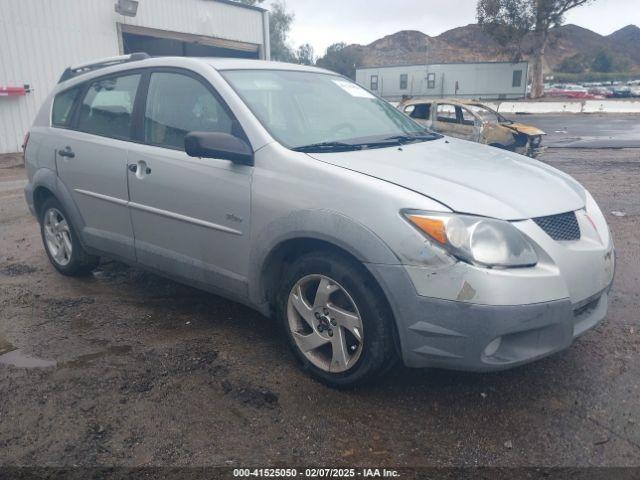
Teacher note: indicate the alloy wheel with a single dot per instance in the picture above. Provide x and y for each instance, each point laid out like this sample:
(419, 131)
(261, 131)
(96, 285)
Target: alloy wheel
(325, 323)
(58, 236)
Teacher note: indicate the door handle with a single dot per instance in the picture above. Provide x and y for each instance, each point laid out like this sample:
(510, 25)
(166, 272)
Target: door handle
(139, 167)
(66, 152)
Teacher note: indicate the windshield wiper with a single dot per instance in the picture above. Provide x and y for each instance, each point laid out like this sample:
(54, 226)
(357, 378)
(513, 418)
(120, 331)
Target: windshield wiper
(327, 146)
(413, 138)
(383, 142)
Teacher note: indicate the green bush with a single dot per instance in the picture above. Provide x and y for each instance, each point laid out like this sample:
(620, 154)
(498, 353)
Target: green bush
(561, 77)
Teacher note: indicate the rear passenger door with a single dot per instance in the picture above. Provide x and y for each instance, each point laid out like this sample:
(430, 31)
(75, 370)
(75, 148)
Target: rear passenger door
(91, 158)
(191, 216)
(454, 121)
(446, 119)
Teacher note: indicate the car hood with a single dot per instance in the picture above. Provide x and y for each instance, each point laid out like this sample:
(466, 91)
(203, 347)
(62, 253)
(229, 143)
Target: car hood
(522, 128)
(469, 178)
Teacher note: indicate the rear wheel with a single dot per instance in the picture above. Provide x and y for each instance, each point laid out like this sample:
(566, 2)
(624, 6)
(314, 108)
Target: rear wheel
(61, 243)
(336, 320)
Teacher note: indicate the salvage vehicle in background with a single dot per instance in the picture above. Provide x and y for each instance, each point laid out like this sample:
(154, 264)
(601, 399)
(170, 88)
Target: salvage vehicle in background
(299, 193)
(474, 121)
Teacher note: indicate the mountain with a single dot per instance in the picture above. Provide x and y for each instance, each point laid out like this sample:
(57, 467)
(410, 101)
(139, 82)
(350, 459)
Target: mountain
(626, 41)
(471, 44)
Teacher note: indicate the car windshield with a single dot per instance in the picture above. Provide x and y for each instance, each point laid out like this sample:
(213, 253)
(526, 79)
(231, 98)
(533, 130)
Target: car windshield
(309, 111)
(486, 114)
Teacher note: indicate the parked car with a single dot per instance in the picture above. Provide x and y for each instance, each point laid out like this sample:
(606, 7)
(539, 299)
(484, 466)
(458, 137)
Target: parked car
(600, 91)
(621, 91)
(474, 121)
(568, 91)
(297, 192)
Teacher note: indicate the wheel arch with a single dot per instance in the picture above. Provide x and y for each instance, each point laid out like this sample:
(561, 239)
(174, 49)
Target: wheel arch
(45, 184)
(302, 232)
(286, 252)
(40, 195)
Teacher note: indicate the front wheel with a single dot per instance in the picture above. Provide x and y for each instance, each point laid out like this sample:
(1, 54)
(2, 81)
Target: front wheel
(336, 320)
(61, 242)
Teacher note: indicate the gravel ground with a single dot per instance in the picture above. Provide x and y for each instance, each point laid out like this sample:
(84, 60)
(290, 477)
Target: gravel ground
(126, 368)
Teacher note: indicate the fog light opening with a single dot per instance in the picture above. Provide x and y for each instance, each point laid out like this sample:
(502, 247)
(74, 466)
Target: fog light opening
(493, 347)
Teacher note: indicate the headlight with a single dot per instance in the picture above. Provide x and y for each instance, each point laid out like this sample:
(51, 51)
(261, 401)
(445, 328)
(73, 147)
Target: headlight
(477, 240)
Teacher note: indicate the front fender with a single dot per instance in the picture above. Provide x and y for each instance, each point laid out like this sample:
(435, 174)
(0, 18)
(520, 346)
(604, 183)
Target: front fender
(328, 226)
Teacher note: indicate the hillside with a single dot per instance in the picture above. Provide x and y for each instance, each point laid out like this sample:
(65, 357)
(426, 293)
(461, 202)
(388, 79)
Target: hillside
(470, 43)
(626, 41)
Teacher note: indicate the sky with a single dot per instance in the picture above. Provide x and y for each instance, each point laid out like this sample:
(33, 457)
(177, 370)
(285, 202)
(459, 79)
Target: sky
(323, 22)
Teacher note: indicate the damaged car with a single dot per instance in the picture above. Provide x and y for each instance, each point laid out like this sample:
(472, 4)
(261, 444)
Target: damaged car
(369, 239)
(474, 121)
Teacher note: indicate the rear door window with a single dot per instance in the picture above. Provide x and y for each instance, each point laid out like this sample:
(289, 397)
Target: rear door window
(447, 113)
(107, 107)
(63, 106)
(178, 104)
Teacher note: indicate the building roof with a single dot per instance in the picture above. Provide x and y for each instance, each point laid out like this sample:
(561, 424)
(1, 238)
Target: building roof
(241, 5)
(435, 64)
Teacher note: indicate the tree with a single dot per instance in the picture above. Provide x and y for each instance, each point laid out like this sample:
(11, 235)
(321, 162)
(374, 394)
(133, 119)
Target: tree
(573, 64)
(280, 21)
(606, 62)
(603, 62)
(342, 59)
(509, 21)
(304, 55)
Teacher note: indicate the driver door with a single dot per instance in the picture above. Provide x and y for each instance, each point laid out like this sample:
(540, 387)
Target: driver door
(190, 216)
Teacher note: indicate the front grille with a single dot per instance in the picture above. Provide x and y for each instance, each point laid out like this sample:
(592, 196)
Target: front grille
(560, 227)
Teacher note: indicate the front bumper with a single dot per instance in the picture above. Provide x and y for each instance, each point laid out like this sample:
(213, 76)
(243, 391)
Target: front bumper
(470, 318)
(473, 337)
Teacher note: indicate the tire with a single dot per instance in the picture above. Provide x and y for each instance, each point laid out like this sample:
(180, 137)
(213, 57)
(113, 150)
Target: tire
(61, 242)
(369, 356)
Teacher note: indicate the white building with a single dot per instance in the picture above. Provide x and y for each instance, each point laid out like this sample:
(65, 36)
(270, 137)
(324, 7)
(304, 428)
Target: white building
(40, 38)
(482, 81)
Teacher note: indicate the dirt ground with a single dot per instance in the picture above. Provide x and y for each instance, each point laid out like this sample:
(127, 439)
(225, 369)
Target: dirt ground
(127, 368)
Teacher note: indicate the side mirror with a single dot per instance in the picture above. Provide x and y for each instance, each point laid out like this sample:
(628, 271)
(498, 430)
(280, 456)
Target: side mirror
(218, 145)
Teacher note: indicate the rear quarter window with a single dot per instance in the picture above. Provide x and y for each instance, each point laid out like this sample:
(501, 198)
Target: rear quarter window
(107, 107)
(63, 106)
(421, 111)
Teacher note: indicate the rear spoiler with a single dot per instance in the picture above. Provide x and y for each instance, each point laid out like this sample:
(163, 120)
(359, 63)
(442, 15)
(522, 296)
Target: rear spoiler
(72, 72)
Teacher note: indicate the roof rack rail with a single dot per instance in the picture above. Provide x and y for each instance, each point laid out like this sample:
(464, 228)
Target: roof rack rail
(76, 70)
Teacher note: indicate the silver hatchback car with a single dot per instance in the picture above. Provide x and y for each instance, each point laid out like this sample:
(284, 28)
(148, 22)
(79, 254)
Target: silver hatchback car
(299, 193)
